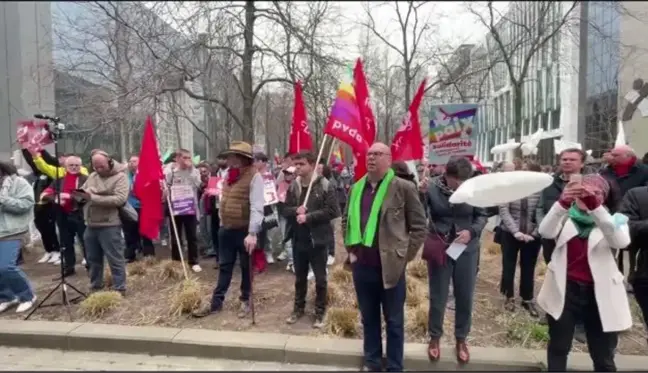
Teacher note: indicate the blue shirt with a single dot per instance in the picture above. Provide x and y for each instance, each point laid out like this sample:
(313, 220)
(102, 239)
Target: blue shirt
(131, 198)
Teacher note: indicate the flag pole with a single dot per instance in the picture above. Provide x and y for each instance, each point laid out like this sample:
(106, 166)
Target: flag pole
(333, 145)
(314, 176)
(175, 230)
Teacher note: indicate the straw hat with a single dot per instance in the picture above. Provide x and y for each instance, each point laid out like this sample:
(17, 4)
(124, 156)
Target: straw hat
(239, 148)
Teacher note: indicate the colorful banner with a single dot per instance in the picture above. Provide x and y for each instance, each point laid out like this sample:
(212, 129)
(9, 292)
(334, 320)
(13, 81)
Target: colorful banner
(182, 200)
(452, 131)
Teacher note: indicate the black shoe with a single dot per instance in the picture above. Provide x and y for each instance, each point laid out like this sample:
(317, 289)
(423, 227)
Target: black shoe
(531, 308)
(294, 317)
(509, 305)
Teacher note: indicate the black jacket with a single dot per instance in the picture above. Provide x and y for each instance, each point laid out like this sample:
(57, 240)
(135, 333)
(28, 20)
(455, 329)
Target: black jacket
(635, 207)
(638, 176)
(322, 207)
(42, 181)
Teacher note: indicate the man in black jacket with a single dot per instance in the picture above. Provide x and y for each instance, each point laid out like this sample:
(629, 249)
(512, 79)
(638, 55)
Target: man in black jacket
(635, 207)
(311, 232)
(44, 218)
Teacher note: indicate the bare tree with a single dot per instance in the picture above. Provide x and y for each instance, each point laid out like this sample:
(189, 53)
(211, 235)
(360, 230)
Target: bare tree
(517, 38)
(90, 45)
(414, 28)
(260, 59)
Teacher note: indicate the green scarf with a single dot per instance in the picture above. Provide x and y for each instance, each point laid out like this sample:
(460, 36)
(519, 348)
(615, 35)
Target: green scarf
(354, 234)
(582, 220)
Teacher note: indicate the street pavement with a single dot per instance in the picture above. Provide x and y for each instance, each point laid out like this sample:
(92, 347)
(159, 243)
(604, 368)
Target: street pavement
(23, 359)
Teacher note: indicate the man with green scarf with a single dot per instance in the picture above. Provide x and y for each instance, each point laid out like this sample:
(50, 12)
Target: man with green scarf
(384, 229)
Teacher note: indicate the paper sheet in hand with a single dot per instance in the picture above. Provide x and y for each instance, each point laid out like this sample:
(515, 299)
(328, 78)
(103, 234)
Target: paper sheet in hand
(455, 249)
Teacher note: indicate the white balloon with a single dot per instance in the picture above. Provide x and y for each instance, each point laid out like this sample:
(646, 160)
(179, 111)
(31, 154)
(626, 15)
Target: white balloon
(503, 148)
(500, 188)
(589, 152)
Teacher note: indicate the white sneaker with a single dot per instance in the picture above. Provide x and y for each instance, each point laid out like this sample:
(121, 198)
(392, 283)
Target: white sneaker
(57, 262)
(283, 256)
(45, 258)
(163, 242)
(269, 258)
(54, 258)
(290, 267)
(311, 275)
(330, 260)
(6, 305)
(26, 306)
(84, 262)
(196, 268)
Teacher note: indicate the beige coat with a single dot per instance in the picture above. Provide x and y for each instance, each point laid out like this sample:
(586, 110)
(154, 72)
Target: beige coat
(609, 289)
(108, 195)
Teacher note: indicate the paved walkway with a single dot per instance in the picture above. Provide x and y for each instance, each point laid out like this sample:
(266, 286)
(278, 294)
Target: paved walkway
(22, 359)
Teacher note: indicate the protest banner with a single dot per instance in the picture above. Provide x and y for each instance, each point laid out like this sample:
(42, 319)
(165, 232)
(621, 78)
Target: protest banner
(452, 131)
(269, 189)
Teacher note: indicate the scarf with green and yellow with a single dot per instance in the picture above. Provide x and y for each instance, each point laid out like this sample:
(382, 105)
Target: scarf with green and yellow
(355, 234)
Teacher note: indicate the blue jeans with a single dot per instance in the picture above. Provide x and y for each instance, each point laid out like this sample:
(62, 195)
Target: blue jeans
(108, 242)
(13, 281)
(230, 246)
(372, 296)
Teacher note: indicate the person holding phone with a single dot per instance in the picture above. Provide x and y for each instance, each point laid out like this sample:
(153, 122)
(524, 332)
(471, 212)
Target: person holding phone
(582, 283)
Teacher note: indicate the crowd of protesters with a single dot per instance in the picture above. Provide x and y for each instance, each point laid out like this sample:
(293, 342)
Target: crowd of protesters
(583, 223)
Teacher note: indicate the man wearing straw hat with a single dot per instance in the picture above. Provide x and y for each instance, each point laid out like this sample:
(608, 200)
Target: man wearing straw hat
(241, 216)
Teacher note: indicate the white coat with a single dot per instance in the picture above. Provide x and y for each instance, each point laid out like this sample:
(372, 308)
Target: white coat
(610, 292)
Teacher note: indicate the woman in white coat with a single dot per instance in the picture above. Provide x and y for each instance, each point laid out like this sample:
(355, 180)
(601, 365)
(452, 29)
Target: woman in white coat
(583, 282)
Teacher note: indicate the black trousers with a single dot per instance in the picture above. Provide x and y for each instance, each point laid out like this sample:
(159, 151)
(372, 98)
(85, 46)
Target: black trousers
(632, 258)
(231, 246)
(187, 224)
(548, 247)
(135, 242)
(580, 306)
(70, 225)
(215, 226)
(528, 252)
(45, 222)
(640, 289)
(305, 256)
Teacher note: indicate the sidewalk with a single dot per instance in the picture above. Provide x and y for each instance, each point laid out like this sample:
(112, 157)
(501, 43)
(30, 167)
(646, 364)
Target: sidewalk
(267, 347)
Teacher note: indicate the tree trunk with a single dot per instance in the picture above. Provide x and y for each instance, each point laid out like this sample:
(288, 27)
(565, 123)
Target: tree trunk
(246, 74)
(517, 117)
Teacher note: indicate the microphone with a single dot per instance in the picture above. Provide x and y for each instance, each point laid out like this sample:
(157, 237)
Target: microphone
(39, 116)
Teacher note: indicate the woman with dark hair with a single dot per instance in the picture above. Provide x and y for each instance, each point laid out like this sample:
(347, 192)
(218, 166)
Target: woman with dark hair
(16, 212)
(519, 237)
(451, 224)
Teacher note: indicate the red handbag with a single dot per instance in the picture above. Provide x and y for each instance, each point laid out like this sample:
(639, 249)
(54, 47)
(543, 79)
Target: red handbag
(434, 249)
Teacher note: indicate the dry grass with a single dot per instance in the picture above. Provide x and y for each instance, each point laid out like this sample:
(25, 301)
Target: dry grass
(186, 297)
(108, 280)
(416, 292)
(416, 320)
(417, 269)
(98, 304)
(341, 276)
(492, 248)
(342, 322)
(169, 270)
(138, 268)
(149, 261)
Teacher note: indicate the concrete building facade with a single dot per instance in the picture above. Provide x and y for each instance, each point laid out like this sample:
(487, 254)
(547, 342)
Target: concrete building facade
(25, 67)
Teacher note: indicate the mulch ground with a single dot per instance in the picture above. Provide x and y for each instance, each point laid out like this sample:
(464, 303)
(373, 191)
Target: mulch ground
(150, 293)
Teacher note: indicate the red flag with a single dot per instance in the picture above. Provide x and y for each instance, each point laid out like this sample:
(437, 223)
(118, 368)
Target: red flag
(146, 187)
(364, 102)
(300, 138)
(408, 142)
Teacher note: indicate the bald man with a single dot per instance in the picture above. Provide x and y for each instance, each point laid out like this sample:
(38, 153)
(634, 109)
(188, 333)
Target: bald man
(384, 228)
(104, 193)
(625, 172)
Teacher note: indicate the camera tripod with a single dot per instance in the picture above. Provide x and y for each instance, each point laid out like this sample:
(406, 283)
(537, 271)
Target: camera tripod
(55, 129)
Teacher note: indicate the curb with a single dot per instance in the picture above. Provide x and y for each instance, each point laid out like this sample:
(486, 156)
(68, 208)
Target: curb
(267, 347)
